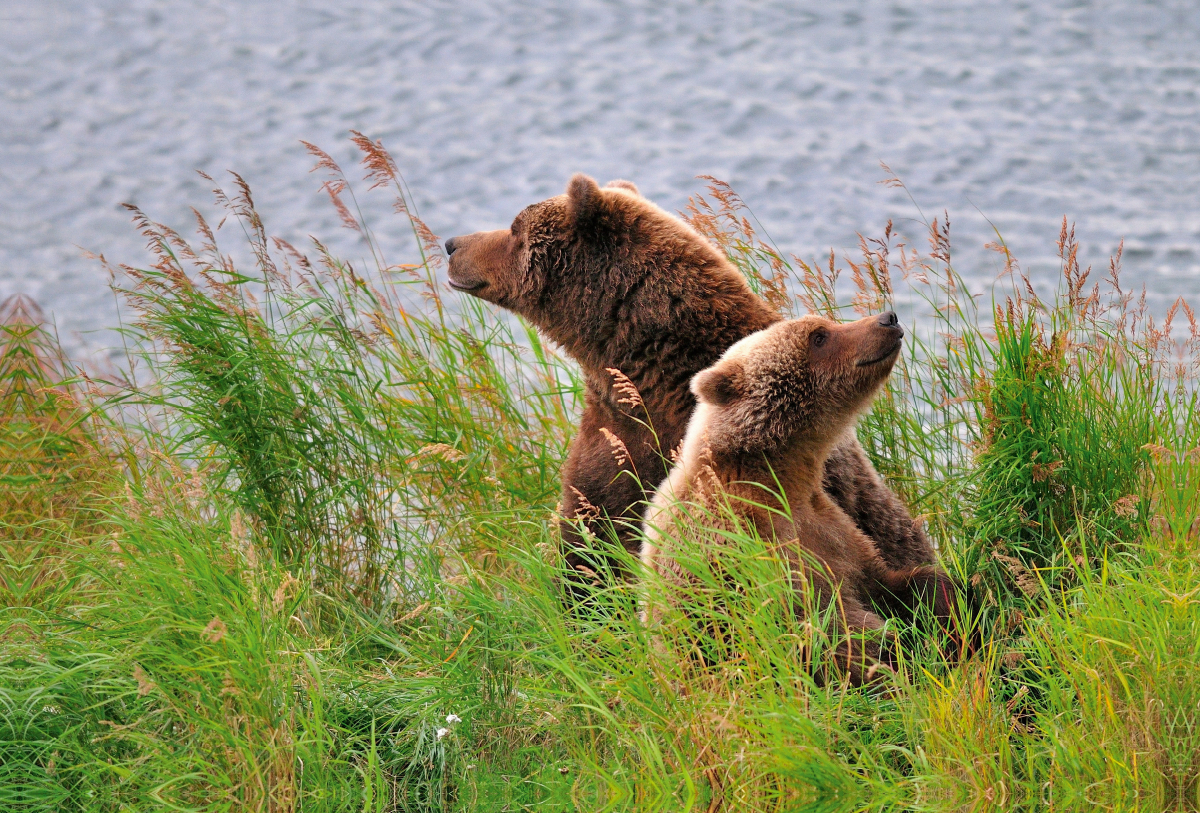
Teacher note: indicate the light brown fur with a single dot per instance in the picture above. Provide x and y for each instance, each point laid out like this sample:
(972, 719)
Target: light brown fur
(769, 413)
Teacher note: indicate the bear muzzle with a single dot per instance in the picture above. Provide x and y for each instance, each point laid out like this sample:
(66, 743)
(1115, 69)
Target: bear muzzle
(890, 353)
(460, 278)
(466, 287)
(890, 337)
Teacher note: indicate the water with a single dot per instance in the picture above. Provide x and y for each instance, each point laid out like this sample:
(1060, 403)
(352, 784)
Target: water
(1023, 112)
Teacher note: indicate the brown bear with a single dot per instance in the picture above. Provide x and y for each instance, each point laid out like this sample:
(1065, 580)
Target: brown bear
(623, 286)
(769, 413)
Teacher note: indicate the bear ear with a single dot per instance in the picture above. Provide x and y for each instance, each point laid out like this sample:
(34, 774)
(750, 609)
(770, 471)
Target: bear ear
(583, 198)
(720, 384)
(628, 186)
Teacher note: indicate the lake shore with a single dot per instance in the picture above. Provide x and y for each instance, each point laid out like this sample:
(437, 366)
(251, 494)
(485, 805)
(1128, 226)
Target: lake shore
(305, 557)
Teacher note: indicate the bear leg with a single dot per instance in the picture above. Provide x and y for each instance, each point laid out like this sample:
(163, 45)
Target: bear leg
(603, 494)
(923, 591)
(852, 482)
(864, 649)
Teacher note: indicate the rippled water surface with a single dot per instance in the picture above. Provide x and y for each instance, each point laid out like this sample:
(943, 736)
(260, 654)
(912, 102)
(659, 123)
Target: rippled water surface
(1021, 112)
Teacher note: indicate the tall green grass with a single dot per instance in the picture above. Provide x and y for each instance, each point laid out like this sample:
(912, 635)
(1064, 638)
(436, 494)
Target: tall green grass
(304, 558)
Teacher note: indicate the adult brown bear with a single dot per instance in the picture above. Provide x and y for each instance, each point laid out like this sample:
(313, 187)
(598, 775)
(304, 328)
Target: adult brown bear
(769, 413)
(622, 285)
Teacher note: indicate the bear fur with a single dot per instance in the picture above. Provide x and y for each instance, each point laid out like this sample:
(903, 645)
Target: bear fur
(621, 285)
(769, 413)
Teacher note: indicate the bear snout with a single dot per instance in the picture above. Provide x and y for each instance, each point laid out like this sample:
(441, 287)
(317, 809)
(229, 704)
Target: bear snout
(892, 321)
(468, 268)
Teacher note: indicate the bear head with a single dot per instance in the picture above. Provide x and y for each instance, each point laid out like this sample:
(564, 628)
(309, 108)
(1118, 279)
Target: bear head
(565, 261)
(795, 386)
(516, 267)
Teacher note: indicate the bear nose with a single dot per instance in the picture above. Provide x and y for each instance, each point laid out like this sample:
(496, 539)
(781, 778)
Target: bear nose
(889, 319)
(451, 244)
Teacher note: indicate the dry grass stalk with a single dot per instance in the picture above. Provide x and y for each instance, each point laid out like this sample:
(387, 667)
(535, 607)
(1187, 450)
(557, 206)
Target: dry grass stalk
(630, 396)
(619, 450)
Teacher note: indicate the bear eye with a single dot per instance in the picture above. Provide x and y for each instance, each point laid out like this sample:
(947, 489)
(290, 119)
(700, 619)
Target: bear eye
(819, 337)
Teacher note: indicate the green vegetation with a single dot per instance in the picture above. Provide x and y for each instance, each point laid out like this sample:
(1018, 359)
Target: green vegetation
(303, 558)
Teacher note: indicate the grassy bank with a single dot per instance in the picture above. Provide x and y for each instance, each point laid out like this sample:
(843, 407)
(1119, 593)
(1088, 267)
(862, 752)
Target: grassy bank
(303, 557)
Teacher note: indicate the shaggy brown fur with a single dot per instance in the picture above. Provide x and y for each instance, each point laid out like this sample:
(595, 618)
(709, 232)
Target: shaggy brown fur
(769, 413)
(622, 285)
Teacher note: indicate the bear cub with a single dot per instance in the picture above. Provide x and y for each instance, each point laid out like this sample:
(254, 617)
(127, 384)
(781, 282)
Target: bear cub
(769, 412)
(622, 285)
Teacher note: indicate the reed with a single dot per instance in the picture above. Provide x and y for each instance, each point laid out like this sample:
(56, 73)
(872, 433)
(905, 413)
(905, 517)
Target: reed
(302, 557)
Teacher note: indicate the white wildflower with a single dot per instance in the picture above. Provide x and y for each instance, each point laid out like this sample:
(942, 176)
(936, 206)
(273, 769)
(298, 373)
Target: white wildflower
(453, 718)
(441, 732)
